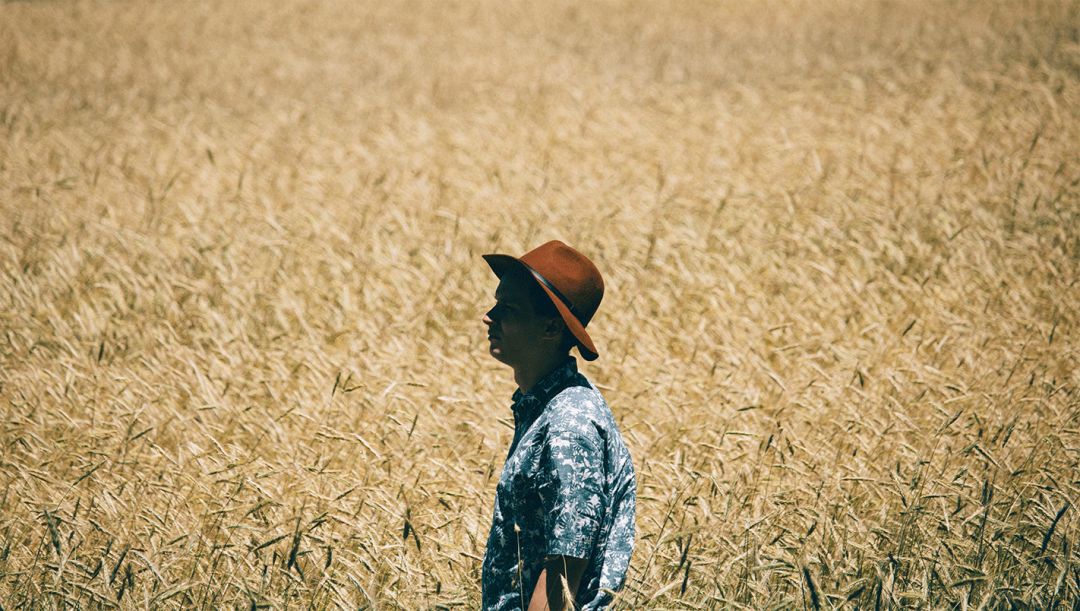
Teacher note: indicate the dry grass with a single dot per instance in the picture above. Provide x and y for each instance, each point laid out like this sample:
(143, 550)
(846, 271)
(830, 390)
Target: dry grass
(240, 342)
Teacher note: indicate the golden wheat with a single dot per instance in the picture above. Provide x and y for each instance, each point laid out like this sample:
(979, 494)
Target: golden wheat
(242, 362)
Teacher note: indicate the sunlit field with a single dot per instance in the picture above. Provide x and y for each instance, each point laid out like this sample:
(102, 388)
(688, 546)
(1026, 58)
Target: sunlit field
(241, 356)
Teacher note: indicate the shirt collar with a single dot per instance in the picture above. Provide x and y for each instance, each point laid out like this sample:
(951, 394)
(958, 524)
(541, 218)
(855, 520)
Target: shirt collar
(528, 405)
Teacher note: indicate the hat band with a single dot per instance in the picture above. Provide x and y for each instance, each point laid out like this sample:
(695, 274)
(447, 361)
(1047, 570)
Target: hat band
(551, 287)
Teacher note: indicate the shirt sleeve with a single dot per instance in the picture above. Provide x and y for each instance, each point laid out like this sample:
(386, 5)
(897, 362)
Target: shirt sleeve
(570, 487)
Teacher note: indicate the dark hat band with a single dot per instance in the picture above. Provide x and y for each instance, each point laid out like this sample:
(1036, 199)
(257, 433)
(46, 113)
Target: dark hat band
(551, 287)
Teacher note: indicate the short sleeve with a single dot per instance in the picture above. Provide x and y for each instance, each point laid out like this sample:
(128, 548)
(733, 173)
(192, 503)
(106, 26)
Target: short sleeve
(570, 487)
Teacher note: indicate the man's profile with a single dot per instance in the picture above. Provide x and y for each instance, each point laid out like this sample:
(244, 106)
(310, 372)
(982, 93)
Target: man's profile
(563, 524)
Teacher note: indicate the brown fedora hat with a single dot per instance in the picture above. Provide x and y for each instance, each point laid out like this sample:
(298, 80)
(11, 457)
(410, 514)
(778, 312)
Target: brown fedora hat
(570, 280)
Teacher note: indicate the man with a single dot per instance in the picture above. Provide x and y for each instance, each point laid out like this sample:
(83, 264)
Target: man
(563, 525)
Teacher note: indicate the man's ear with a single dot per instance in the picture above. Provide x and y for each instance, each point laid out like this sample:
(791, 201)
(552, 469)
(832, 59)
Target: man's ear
(554, 328)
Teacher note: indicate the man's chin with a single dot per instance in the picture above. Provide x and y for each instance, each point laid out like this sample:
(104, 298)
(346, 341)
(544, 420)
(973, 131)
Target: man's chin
(496, 353)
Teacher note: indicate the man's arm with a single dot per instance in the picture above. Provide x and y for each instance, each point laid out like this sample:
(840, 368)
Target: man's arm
(548, 595)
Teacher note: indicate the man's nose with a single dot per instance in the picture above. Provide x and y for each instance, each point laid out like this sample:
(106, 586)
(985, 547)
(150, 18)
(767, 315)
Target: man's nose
(488, 320)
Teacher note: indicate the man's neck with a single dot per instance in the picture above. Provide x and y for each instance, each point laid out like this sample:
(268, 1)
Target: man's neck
(527, 376)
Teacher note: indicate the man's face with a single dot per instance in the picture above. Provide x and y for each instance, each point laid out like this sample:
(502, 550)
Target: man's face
(515, 330)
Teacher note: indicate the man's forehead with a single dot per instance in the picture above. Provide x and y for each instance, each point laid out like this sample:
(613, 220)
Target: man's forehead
(511, 288)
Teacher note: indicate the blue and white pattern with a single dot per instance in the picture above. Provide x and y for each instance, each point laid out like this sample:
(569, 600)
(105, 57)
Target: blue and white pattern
(567, 489)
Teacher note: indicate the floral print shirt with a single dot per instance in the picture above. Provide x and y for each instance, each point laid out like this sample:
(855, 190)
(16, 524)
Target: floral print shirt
(567, 489)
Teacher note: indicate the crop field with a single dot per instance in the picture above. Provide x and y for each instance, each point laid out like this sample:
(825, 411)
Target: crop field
(241, 356)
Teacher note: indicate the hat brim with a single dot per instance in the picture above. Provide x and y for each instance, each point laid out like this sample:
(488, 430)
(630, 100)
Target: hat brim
(500, 264)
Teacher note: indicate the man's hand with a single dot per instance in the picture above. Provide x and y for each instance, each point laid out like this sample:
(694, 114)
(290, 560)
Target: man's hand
(549, 594)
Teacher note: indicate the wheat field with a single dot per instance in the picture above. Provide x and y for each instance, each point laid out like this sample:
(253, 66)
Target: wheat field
(241, 356)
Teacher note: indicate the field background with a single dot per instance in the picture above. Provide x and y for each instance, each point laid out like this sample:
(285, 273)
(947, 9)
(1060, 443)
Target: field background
(241, 357)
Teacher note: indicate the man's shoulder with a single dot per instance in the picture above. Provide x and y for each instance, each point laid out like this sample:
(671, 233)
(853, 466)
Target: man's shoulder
(580, 396)
(577, 406)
